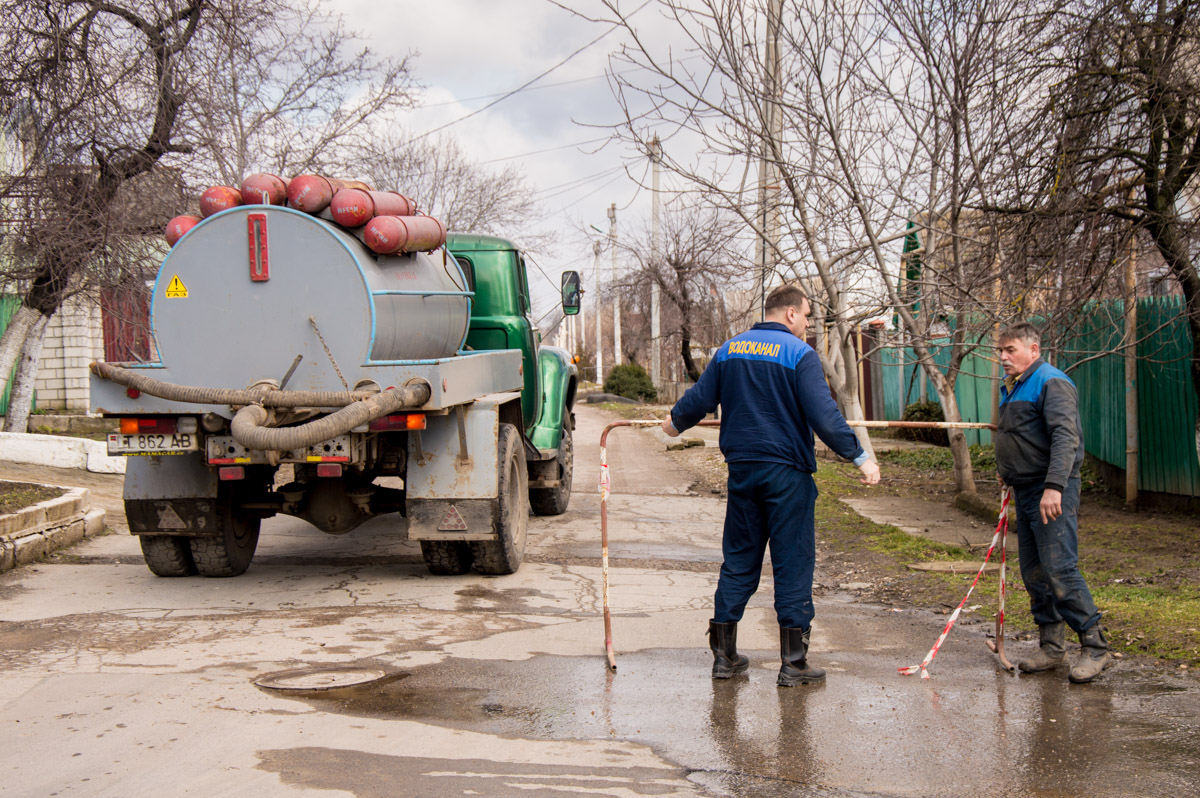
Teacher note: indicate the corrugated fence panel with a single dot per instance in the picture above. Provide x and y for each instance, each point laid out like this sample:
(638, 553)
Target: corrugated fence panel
(8, 308)
(1167, 460)
(973, 389)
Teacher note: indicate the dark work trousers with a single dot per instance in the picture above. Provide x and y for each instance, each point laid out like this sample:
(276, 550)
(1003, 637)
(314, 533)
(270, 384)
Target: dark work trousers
(768, 503)
(1050, 559)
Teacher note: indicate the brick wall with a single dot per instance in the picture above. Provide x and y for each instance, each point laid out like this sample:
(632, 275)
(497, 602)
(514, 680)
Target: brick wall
(74, 338)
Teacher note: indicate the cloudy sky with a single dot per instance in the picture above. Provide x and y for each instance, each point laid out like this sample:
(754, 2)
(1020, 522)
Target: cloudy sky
(471, 52)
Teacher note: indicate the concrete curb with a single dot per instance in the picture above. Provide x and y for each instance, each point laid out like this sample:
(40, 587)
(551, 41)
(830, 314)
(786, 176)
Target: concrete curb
(59, 451)
(45, 527)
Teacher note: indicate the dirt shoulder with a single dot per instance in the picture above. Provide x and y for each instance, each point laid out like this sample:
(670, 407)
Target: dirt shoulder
(1142, 566)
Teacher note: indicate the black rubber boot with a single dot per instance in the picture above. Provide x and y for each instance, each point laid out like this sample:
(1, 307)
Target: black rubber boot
(793, 648)
(1052, 649)
(1093, 656)
(722, 639)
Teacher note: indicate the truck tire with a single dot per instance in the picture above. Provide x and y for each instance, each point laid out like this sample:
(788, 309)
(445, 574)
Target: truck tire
(504, 556)
(446, 557)
(554, 501)
(230, 552)
(167, 555)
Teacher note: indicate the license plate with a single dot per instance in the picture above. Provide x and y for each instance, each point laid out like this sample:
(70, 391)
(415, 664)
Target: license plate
(152, 443)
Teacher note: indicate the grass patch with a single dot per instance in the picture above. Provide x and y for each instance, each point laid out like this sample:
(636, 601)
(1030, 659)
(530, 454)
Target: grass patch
(18, 495)
(936, 458)
(635, 412)
(910, 548)
(1150, 619)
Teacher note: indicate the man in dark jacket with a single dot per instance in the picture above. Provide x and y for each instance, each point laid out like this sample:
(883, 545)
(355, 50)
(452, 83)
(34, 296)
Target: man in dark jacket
(772, 393)
(1039, 449)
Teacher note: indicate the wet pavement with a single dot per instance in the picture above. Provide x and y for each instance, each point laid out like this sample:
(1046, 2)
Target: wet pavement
(118, 683)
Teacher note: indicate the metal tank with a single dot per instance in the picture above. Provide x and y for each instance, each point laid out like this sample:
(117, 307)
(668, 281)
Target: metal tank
(247, 291)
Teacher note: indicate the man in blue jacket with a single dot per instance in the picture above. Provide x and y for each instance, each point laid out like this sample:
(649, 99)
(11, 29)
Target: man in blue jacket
(772, 393)
(1039, 449)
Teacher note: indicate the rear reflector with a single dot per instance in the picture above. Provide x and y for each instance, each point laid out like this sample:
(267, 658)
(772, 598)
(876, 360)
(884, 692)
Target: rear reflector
(399, 421)
(329, 470)
(225, 473)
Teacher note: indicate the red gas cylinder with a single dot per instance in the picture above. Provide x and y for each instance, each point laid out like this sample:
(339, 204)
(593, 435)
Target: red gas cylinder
(219, 198)
(390, 235)
(264, 189)
(313, 193)
(353, 207)
(177, 227)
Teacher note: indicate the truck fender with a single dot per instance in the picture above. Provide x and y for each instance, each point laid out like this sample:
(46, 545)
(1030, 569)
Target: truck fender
(452, 477)
(560, 379)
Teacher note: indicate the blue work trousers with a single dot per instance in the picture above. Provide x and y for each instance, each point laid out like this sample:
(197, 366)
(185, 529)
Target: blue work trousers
(1050, 559)
(769, 503)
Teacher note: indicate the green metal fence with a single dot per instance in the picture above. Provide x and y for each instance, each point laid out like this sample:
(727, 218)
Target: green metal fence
(1167, 461)
(901, 378)
(8, 308)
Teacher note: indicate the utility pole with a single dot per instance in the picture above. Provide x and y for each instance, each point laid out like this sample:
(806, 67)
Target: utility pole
(597, 248)
(1131, 386)
(655, 256)
(766, 245)
(612, 243)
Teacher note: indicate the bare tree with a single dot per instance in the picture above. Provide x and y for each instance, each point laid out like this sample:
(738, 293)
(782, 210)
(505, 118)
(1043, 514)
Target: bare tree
(285, 87)
(1128, 117)
(701, 260)
(870, 115)
(92, 92)
(445, 182)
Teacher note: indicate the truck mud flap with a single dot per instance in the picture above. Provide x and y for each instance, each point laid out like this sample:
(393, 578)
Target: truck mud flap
(447, 519)
(188, 517)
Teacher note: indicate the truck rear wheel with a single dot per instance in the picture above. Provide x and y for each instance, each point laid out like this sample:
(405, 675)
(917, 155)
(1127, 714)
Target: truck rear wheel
(554, 501)
(446, 557)
(167, 555)
(229, 553)
(504, 556)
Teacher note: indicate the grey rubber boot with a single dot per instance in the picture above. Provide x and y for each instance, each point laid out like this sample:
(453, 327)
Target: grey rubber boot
(1093, 656)
(793, 649)
(1052, 651)
(722, 639)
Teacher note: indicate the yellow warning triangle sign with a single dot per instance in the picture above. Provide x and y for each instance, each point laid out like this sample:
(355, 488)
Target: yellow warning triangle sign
(176, 289)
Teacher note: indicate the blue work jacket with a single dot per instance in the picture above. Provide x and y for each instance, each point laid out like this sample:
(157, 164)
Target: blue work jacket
(773, 396)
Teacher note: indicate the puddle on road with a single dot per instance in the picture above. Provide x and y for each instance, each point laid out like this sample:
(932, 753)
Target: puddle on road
(992, 736)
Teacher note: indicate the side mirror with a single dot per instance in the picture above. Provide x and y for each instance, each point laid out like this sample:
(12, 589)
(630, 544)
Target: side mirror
(572, 293)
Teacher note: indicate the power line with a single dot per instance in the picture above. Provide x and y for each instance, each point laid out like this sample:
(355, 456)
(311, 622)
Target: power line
(528, 83)
(545, 149)
(562, 188)
(550, 85)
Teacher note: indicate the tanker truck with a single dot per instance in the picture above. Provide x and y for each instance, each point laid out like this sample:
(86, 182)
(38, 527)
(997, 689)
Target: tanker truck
(298, 371)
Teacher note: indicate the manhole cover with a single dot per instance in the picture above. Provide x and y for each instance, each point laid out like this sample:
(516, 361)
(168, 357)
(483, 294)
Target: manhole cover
(313, 679)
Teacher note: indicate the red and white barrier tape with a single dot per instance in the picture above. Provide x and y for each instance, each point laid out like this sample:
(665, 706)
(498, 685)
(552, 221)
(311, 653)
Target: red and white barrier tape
(1001, 526)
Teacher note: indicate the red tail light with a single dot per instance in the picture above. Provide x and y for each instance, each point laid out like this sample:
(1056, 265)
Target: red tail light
(140, 426)
(398, 422)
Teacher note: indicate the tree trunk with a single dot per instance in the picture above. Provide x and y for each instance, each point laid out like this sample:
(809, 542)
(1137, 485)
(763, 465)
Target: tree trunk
(847, 392)
(964, 473)
(689, 365)
(12, 343)
(21, 400)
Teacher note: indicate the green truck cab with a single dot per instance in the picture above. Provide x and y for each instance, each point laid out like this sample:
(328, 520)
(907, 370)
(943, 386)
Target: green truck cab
(501, 309)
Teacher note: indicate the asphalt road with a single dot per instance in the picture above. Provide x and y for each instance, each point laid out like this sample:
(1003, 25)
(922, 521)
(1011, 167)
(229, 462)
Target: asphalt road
(117, 683)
